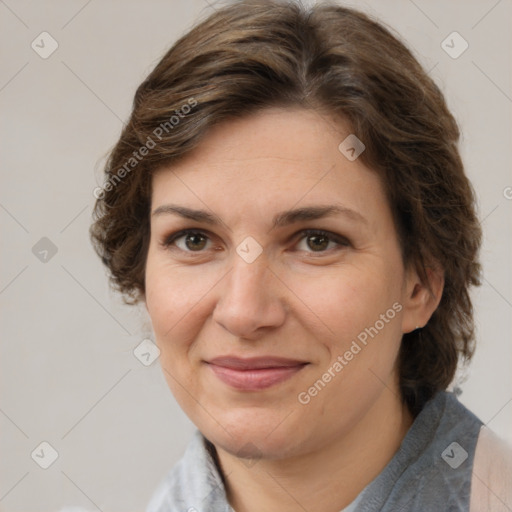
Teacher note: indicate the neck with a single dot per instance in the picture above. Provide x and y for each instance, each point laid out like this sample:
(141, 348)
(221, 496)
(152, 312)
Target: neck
(327, 479)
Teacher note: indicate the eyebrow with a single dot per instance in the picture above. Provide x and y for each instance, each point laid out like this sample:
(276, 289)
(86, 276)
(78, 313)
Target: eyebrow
(282, 219)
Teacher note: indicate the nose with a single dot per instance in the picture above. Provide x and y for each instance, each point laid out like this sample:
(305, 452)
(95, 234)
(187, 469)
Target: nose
(251, 300)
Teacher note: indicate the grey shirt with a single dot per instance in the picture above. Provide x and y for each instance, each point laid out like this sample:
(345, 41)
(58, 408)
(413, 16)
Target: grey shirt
(431, 471)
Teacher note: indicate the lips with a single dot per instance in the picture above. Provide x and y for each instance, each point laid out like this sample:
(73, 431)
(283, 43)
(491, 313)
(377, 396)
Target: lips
(256, 373)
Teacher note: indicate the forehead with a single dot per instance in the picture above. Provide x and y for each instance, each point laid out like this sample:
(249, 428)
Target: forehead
(268, 161)
(293, 134)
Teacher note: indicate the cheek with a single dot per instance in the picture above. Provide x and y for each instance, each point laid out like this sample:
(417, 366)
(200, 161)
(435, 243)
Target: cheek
(360, 312)
(348, 300)
(176, 302)
(360, 316)
(173, 297)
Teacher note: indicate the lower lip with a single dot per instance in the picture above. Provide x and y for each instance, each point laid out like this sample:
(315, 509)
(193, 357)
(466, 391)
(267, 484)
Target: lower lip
(254, 380)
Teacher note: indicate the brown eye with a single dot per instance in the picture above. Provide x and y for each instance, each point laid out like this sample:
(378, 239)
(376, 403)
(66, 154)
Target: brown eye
(318, 242)
(187, 241)
(195, 241)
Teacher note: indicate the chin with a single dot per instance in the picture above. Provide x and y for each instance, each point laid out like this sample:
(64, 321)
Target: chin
(251, 434)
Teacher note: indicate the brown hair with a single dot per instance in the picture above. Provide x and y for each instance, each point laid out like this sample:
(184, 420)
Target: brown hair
(253, 55)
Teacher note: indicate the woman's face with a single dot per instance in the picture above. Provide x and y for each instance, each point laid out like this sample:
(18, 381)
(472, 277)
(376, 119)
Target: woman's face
(279, 313)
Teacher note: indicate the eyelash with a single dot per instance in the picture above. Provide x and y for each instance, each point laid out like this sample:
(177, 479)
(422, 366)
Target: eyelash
(332, 237)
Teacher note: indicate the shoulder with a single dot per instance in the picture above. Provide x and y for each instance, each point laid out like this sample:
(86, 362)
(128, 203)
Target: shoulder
(491, 483)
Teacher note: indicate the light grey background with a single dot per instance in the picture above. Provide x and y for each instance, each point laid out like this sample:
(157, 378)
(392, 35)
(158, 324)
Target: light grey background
(68, 373)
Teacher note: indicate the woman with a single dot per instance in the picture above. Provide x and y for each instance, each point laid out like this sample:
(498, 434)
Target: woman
(289, 202)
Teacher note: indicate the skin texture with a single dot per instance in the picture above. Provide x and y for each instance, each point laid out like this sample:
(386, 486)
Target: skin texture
(293, 301)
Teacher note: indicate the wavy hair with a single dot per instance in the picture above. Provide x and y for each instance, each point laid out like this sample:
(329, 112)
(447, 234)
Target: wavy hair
(253, 55)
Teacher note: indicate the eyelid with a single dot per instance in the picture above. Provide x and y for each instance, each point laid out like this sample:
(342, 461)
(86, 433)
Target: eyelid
(168, 240)
(341, 240)
(334, 237)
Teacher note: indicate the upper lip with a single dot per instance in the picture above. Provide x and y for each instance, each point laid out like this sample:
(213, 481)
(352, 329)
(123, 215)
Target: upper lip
(255, 363)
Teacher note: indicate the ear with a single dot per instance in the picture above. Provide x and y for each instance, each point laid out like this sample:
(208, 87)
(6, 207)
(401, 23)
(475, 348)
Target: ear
(421, 299)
